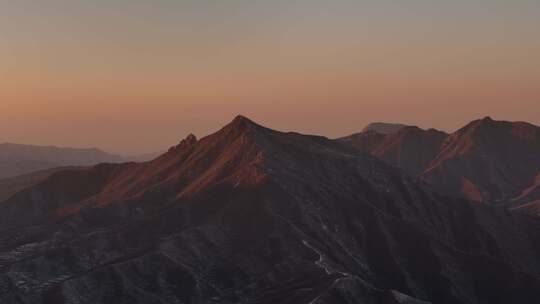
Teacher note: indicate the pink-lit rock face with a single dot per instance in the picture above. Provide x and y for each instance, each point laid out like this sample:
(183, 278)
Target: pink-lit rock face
(253, 215)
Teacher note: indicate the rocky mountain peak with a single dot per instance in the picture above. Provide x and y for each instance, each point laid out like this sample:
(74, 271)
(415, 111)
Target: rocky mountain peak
(190, 139)
(384, 127)
(241, 124)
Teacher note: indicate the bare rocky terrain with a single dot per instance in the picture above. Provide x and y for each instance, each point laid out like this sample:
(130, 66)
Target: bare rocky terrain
(253, 215)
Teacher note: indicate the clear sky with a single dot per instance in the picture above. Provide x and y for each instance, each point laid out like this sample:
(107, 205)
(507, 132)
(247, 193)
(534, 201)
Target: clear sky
(133, 76)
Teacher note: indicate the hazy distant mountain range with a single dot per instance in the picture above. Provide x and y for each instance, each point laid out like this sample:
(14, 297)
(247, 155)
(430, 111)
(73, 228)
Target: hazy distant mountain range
(16, 159)
(143, 157)
(253, 215)
(22, 166)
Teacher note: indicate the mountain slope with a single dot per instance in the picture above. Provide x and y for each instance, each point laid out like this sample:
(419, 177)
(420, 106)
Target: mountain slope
(16, 159)
(12, 185)
(366, 141)
(252, 215)
(410, 147)
(488, 160)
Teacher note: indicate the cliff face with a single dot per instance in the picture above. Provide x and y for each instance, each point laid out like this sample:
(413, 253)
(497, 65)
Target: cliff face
(252, 215)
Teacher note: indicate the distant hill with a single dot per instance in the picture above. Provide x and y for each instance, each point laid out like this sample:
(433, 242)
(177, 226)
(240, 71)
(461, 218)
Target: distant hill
(17, 159)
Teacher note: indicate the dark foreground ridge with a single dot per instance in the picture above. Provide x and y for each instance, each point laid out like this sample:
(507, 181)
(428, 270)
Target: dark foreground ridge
(252, 215)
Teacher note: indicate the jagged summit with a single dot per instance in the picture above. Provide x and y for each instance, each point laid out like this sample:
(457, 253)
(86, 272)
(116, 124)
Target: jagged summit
(241, 119)
(237, 127)
(190, 139)
(186, 142)
(488, 135)
(488, 126)
(241, 124)
(487, 118)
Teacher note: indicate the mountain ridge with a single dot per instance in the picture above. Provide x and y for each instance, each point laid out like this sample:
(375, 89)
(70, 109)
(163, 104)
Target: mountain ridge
(252, 215)
(486, 160)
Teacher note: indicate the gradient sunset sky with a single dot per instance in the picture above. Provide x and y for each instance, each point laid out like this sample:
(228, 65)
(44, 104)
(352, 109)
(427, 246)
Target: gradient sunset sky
(133, 76)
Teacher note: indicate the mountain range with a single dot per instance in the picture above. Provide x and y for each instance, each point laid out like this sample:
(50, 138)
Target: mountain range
(485, 161)
(253, 215)
(17, 159)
